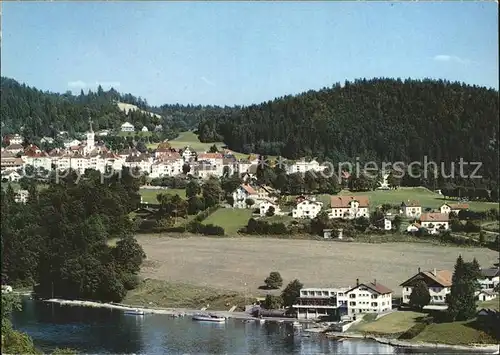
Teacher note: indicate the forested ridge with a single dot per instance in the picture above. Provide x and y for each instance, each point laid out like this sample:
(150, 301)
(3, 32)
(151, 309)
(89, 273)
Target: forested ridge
(36, 113)
(381, 120)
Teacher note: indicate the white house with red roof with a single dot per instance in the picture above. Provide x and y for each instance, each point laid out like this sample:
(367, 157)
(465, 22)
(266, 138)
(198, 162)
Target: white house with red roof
(349, 207)
(368, 297)
(411, 209)
(242, 193)
(307, 208)
(435, 222)
(453, 207)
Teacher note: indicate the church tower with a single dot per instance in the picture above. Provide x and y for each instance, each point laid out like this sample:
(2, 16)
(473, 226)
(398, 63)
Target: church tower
(90, 139)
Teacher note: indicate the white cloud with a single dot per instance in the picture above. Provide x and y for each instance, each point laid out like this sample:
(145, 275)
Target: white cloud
(77, 84)
(450, 58)
(207, 81)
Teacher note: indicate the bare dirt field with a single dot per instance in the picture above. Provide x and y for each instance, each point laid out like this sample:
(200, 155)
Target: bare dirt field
(241, 264)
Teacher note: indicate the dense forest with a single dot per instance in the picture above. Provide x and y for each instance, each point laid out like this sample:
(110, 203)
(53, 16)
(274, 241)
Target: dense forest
(381, 120)
(60, 239)
(38, 113)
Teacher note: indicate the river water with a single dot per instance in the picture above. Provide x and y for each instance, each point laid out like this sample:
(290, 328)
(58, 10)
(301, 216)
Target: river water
(100, 330)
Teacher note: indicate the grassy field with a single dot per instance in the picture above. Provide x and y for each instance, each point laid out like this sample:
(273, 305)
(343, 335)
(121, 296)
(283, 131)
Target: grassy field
(427, 198)
(165, 294)
(135, 134)
(494, 304)
(230, 219)
(394, 323)
(149, 195)
(455, 333)
(229, 263)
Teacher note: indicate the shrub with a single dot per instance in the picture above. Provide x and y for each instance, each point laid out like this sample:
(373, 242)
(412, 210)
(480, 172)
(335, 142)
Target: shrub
(274, 280)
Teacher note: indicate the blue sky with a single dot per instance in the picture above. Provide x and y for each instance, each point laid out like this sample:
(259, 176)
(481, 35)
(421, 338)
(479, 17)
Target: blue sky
(242, 53)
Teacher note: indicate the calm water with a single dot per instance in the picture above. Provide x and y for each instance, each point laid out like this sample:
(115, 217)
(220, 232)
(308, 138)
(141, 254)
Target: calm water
(93, 330)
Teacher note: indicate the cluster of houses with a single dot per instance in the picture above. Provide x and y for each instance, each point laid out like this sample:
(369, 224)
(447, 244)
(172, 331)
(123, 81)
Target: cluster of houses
(373, 297)
(164, 161)
(434, 222)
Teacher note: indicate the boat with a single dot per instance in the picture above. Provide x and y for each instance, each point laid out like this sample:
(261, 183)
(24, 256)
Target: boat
(297, 324)
(262, 321)
(209, 318)
(134, 312)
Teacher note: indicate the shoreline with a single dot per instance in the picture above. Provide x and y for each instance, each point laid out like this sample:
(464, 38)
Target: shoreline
(482, 348)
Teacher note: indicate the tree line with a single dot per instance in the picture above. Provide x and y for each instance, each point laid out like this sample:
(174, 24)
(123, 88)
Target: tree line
(382, 120)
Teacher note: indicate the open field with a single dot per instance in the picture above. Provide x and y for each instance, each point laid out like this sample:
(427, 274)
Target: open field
(135, 134)
(396, 322)
(149, 195)
(230, 263)
(427, 198)
(230, 219)
(494, 304)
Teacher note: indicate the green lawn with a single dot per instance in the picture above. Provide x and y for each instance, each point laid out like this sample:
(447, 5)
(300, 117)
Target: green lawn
(156, 293)
(455, 333)
(135, 134)
(494, 304)
(149, 195)
(230, 219)
(190, 139)
(396, 322)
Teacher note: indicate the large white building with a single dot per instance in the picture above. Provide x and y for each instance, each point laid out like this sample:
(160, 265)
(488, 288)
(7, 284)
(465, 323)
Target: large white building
(411, 209)
(302, 166)
(369, 297)
(437, 281)
(314, 303)
(453, 207)
(349, 207)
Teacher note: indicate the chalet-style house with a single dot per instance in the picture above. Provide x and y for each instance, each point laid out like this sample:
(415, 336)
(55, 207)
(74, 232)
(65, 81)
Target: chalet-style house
(411, 209)
(127, 127)
(349, 207)
(308, 208)
(438, 282)
(435, 222)
(453, 207)
(486, 295)
(413, 227)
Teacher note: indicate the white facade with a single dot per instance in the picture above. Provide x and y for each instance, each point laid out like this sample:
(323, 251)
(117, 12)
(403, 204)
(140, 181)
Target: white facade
(437, 293)
(264, 207)
(303, 166)
(412, 228)
(167, 168)
(412, 211)
(71, 143)
(434, 227)
(307, 209)
(16, 139)
(38, 162)
(490, 278)
(127, 127)
(363, 299)
(21, 196)
(242, 193)
(485, 295)
(351, 212)
(144, 129)
(314, 303)
(387, 224)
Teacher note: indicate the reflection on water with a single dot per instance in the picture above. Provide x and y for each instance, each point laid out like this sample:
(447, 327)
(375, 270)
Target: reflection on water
(100, 330)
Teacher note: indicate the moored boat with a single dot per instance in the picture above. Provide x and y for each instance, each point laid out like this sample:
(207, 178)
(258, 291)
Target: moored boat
(134, 312)
(209, 318)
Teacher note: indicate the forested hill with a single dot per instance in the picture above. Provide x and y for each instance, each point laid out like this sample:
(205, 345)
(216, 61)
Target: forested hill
(43, 113)
(380, 119)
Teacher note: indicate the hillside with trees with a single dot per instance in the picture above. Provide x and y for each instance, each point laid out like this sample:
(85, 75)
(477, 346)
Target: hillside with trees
(36, 113)
(59, 241)
(376, 120)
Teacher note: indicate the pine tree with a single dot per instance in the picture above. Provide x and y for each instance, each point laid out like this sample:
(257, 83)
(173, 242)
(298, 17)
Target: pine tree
(461, 300)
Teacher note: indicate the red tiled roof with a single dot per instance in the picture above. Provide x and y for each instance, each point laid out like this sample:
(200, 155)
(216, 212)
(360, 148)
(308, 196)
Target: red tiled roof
(458, 206)
(434, 217)
(210, 156)
(249, 189)
(442, 277)
(376, 287)
(344, 201)
(411, 203)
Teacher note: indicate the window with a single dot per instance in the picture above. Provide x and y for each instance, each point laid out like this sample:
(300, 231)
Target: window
(352, 295)
(374, 304)
(352, 303)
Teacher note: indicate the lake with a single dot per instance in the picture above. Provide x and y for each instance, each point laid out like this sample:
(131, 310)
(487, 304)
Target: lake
(100, 330)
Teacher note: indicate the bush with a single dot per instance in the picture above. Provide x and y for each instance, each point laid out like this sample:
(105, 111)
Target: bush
(274, 280)
(130, 281)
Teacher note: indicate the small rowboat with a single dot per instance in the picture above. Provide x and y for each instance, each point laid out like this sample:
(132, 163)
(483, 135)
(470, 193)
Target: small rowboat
(209, 318)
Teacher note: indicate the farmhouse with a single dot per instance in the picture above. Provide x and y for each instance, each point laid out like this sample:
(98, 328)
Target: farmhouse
(411, 209)
(9, 160)
(308, 208)
(453, 207)
(413, 228)
(127, 127)
(370, 297)
(21, 196)
(14, 148)
(435, 222)
(14, 139)
(349, 207)
(437, 281)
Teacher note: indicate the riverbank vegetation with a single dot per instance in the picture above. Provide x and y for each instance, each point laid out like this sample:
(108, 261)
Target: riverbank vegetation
(58, 240)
